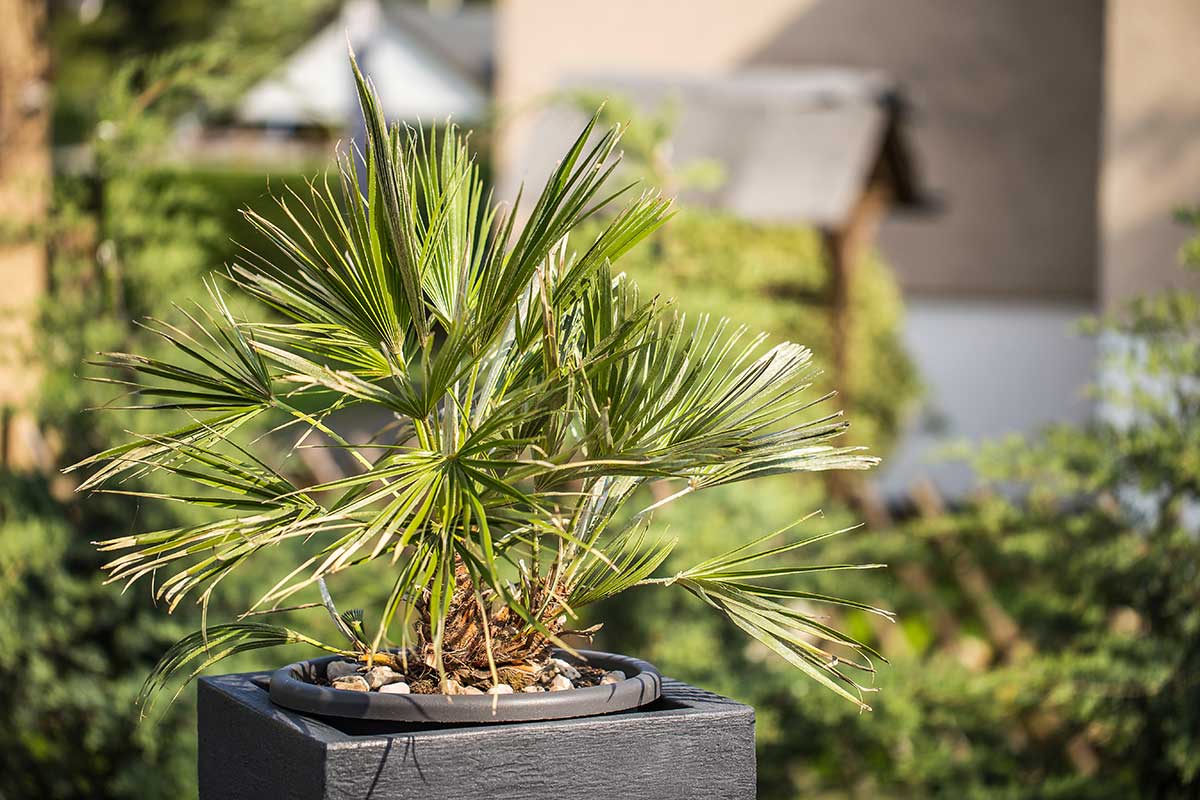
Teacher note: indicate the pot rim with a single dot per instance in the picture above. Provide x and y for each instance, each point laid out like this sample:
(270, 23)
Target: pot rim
(642, 685)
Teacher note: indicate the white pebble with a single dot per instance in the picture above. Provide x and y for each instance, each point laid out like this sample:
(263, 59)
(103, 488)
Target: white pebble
(561, 683)
(533, 688)
(612, 676)
(500, 688)
(395, 688)
(381, 676)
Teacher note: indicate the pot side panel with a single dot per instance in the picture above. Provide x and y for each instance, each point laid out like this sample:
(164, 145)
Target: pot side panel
(689, 744)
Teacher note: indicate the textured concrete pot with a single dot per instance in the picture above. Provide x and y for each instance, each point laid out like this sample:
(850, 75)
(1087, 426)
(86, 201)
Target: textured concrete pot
(293, 687)
(687, 744)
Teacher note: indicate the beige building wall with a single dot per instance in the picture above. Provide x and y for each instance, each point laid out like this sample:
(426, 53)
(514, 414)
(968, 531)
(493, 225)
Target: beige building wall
(1005, 123)
(1151, 153)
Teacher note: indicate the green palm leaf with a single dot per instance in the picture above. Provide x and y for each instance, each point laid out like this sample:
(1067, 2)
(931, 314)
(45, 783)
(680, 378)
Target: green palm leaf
(198, 651)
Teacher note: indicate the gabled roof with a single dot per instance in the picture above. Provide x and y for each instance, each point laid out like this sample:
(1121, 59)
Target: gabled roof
(796, 145)
(425, 66)
(465, 38)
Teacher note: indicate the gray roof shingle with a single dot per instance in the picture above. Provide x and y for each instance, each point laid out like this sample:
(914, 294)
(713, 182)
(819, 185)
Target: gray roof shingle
(796, 145)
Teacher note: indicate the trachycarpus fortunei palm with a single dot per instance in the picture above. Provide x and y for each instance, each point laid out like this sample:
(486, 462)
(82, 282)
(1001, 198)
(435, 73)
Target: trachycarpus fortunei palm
(533, 393)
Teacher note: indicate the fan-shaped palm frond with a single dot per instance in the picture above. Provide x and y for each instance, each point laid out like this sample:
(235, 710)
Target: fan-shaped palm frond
(729, 585)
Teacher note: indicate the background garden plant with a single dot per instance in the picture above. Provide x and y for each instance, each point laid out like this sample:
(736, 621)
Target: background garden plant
(533, 392)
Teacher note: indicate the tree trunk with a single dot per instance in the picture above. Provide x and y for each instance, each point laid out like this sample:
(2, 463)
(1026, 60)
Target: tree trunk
(25, 174)
(845, 247)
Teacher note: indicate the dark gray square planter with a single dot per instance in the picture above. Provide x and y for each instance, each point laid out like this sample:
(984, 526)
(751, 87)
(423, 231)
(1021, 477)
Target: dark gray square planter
(689, 744)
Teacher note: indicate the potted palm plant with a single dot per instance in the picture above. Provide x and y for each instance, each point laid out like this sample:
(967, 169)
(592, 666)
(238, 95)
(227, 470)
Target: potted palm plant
(531, 395)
